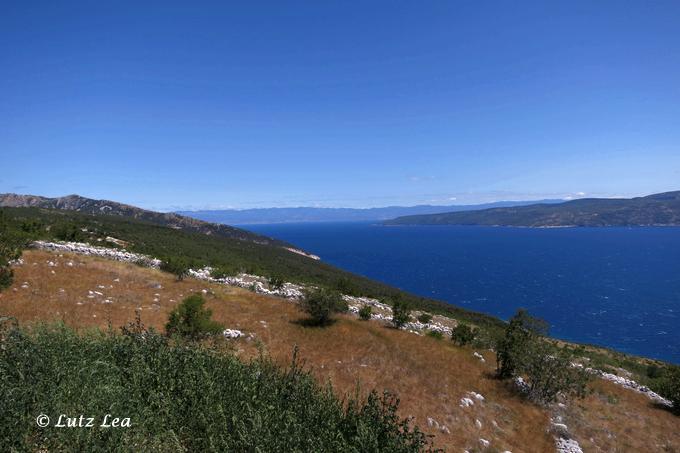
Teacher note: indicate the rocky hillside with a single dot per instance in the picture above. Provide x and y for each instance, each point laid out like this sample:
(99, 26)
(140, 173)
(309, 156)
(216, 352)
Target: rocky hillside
(654, 210)
(450, 391)
(90, 206)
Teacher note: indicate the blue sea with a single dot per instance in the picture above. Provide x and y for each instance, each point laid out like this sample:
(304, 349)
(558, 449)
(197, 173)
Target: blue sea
(615, 287)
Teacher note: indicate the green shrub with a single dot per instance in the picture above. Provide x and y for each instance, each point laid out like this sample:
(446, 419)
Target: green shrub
(463, 334)
(654, 371)
(68, 232)
(321, 304)
(425, 318)
(276, 282)
(6, 277)
(548, 372)
(401, 312)
(177, 266)
(179, 398)
(11, 243)
(669, 387)
(435, 334)
(191, 320)
(365, 312)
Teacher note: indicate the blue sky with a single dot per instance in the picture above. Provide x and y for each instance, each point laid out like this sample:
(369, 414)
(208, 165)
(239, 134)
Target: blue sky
(179, 104)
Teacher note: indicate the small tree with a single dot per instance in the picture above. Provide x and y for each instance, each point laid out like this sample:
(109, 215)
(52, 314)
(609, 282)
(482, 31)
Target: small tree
(191, 320)
(425, 318)
(670, 387)
(463, 334)
(524, 351)
(401, 312)
(511, 349)
(365, 312)
(177, 266)
(321, 304)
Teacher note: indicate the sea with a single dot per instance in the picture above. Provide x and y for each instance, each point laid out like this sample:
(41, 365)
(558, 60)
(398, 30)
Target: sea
(613, 287)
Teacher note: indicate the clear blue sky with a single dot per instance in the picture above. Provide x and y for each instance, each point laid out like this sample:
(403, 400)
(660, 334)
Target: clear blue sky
(188, 104)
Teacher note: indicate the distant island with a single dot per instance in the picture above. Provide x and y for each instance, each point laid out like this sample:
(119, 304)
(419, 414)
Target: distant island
(313, 214)
(661, 209)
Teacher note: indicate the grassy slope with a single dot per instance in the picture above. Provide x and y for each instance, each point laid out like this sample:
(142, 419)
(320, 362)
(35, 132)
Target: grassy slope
(231, 255)
(429, 375)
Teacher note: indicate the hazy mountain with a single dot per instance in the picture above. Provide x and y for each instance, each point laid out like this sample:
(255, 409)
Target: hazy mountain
(654, 210)
(90, 206)
(309, 214)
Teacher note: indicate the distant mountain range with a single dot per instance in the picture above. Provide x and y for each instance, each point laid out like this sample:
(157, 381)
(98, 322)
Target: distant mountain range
(310, 214)
(90, 206)
(661, 209)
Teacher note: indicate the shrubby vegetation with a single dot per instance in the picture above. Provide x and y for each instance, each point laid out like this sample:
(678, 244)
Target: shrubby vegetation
(191, 320)
(186, 398)
(425, 318)
(276, 282)
(68, 231)
(669, 386)
(365, 312)
(525, 352)
(322, 304)
(11, 243)
(177, 266)
(401, 312)
(437, 335)
(463, 334)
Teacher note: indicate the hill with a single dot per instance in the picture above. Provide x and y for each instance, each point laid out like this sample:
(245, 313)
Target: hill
(112, 208)
(654, 210)
(311, 214)
(227, 255)
(431, 377)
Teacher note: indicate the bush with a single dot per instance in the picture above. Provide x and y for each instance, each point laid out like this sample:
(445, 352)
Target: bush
(177, 266)
(654, 371)
(6, 277)
(549, 373)
(463, 334)
(69, 232)
(321, 304)
(547, 370)
(401, 312)
(669, 387)
(191, 320)
(365, 312)
(179, 398)
(276, 282)
(425, 318)
(10, 249)
(435, 334)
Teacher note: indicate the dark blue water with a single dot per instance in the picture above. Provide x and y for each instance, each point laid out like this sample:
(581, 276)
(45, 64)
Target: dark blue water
(615, 287)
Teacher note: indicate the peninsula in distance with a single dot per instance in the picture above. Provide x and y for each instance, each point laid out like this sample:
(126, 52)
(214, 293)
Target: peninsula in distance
(662, 209)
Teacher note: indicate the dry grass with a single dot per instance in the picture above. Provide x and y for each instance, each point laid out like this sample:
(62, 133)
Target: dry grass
(614, 419)
(429, 375)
